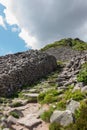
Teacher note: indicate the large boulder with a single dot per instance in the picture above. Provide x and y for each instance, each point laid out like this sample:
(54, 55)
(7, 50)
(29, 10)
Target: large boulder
(73, 106)
(63, 117)
(25, 68)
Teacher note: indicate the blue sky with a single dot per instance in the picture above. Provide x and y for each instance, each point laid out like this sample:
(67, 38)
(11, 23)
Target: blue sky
(26, 24)
(9, 41)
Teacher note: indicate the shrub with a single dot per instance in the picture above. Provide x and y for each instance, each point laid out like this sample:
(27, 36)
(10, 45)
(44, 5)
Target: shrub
(41, 97)
(46, 115)
(61, 105)
(54, 126)
(81, 122)
(3, 100)
(70, 127)
(77, 95)
(82, 76)
(48, 97)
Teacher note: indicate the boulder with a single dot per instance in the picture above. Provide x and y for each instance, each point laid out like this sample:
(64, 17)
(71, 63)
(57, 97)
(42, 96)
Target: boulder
(84, 89)
(62, 117)
(73, 105)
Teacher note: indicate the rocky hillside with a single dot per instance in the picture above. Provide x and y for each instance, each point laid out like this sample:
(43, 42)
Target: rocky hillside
(57, 101)
(66, 49)
(22, 69)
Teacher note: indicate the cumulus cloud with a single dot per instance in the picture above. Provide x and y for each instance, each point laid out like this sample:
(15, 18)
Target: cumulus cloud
(43, 21)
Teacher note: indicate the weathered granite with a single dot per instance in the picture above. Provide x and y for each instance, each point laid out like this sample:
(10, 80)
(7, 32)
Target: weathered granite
(25, 68)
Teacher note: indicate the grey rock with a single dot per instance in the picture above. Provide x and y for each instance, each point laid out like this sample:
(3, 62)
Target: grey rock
(30, 121)
(63, 53)
(76, 88)
(81, 85)
(69, 74)
(3, 125)
(73, 105)
(11, 120)
(62, 117)
(6, 128)
(84, 89)
(31, 95)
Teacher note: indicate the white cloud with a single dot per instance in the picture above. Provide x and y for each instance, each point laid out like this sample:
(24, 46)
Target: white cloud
(43, 21)
(29, 40)
(2, 22)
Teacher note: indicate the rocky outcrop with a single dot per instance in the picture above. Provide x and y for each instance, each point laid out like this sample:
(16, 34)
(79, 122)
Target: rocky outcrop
(63, 117)
(20, 69)
(69, 73)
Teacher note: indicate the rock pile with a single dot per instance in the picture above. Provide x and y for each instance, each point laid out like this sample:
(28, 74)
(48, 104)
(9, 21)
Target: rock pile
(17, 70)
(69, 73)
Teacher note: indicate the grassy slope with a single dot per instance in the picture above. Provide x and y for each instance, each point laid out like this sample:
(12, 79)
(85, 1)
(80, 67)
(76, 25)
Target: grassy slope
(75, 44)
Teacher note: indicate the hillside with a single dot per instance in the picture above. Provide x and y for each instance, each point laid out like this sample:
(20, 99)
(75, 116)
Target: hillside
(53, 95)
(66, 49)
(56, 102)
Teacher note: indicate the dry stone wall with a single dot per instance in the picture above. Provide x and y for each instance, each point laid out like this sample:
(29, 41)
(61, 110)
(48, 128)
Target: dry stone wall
(17, 70)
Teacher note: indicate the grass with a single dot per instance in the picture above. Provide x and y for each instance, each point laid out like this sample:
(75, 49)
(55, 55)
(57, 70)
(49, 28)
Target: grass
(61, 105)
(54, 126)
(48, 97)
(77, 95)
(75, 44)
(46, 115)
(16, 104)
(82, 76)
(14, 114)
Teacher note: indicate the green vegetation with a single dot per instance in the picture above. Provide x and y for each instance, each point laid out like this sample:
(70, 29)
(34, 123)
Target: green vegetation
(46, 115)
(82, 76)
(16, 104)
(14, 114)
(3, 100)
(48, 97)
(54, 126)
(77, 95)
(80, 120)
(75, 44)
(61, 105)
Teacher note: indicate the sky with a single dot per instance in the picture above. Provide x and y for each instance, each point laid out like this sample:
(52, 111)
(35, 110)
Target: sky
(32, 24)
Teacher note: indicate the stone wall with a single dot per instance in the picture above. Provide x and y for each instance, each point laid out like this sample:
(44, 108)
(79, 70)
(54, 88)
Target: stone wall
(17, 70)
